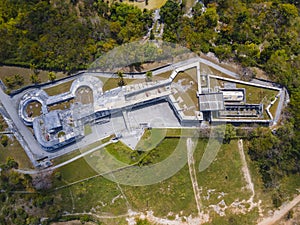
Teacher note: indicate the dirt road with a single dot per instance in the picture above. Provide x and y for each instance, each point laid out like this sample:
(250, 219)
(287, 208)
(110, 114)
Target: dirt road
(278, 214)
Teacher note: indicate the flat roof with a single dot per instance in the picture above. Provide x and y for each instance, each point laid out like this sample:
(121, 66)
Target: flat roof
(52, 120)
(211, 102)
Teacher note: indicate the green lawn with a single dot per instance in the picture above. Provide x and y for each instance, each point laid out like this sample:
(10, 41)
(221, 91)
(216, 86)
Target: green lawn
(174, 194)
(60, 88)
(257, 94)
(223, 175)
(273, 108)
(99, 193)
(62, 105)
(14, 150)
(151, 139)
(66, 157)
(87, 129)
(121, 152)
(77, 170)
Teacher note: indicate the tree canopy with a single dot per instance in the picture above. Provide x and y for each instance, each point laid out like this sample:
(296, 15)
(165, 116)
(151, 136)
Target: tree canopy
(55, 35)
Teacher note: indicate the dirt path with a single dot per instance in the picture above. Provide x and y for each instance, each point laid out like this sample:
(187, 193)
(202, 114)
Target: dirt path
(245, 169)
(248, 179)
(278, 214)
(191, 163)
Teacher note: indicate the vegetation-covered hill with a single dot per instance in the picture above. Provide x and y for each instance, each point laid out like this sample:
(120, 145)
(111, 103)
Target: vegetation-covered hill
(68, 35)
(65, 35)
(254, 33)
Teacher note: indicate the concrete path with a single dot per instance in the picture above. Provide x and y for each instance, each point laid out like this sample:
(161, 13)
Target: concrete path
(22, 133)
(66, 162)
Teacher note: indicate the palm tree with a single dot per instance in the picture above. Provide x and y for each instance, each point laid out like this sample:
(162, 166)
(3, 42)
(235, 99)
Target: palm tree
(149, 76)
(121, 81)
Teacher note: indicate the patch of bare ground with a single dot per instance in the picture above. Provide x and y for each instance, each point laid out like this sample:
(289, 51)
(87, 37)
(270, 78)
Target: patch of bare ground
(73, 222)
(231, 66)
(260, 73)
(42, 180)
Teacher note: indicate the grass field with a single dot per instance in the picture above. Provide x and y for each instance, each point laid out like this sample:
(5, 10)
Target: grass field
(172, 195)
(207, 70)
(258, 95)
(95, 195)
(75, 171)
(188, 94)
(121, 152)
(9, 71)
(162, 76)
(87, 129)
(223, 175)
(62, 105)
(58, 89)
(273, 108)
(254, 95)
(14, 150)
(151, 139)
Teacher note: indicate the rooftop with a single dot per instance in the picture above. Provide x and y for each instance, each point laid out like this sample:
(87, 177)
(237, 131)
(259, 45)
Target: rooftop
(52, 121)
(211, 102)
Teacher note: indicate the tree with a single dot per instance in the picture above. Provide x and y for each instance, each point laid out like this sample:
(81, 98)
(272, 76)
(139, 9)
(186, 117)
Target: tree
(4, 140)
(211, 17)
(9, 82)
(230, 133)
(34, 78)
(149, 76)
(19, 80)
(121, 81)
(51, 76)
(11, 163)
(152, 37)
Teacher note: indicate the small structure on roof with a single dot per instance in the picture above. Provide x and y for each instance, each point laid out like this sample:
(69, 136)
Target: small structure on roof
(211, 102)
(52, 121)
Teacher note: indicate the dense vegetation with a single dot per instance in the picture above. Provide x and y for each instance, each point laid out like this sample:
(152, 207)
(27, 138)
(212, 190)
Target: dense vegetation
(254, 33)
(65, 36)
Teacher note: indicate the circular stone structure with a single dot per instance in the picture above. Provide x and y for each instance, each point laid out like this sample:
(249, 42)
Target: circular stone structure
(31, 96)
(91, 82)
(84, 95)
(33, 109)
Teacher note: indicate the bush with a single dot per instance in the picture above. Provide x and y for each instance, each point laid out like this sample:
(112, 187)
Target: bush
(4, 140)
